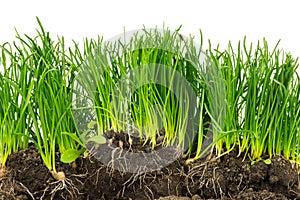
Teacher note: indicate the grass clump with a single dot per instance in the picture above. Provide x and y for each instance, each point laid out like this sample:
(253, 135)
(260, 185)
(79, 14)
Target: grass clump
(15, 89)
(135, 86)
(262, 99)
(38, 97)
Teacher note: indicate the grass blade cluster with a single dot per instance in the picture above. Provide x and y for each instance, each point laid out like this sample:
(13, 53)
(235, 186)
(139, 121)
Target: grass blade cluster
(15, 87)
(262, 98)
(145, 84)
(37, 94)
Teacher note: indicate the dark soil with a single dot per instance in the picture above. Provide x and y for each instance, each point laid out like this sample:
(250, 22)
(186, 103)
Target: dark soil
(229, 177)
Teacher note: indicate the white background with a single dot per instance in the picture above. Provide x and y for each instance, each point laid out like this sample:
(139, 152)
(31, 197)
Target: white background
(220, 21)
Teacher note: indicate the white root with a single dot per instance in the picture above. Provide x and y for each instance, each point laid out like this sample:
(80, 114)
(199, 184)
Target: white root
(61, 183)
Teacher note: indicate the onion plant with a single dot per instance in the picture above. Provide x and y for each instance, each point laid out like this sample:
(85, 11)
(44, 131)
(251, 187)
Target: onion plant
(262, 100)
(49, 106)
(144, 84)
(271, 103)
(15, 88)
(231, 78)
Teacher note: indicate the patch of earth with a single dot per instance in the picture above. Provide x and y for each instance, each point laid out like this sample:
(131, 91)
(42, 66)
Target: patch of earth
(229, 177)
